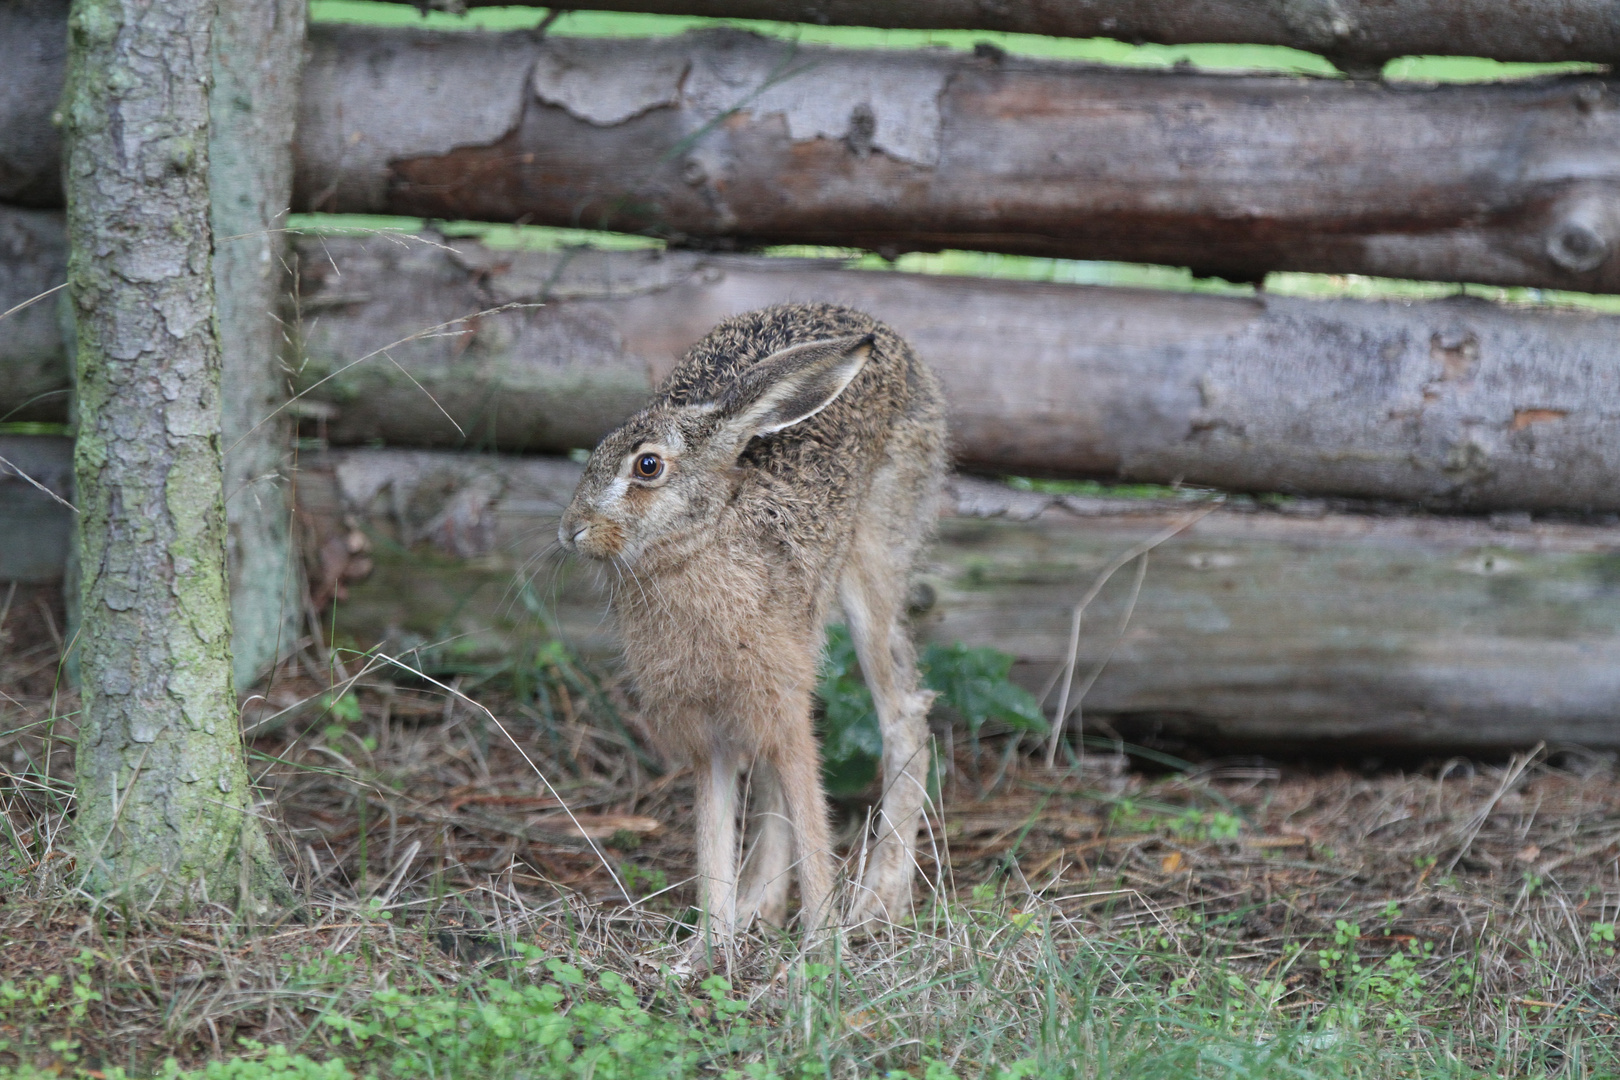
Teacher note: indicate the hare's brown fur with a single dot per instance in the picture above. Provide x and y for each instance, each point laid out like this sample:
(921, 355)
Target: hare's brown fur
(728, 564)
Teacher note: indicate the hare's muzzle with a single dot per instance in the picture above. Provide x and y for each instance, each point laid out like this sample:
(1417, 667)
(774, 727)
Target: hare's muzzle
(594, 539)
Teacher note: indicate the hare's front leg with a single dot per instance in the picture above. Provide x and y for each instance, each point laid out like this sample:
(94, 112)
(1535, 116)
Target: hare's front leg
(798, 767)
(717, 842)
(768, 851)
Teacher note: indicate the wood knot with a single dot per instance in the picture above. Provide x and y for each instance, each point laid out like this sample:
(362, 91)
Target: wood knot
(1580, 238)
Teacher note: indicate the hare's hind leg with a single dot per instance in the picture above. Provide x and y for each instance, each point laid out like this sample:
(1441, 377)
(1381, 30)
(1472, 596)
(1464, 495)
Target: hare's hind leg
(717, 842)
(768, 854)
(872, 592)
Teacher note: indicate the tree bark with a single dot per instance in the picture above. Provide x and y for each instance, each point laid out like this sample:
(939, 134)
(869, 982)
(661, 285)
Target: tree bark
(164, 806)
(257, 61)
(1356, 34)
(726, 139)
(1455, 403)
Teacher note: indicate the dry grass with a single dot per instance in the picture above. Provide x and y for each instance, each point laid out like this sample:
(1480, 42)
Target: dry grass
(423, 844)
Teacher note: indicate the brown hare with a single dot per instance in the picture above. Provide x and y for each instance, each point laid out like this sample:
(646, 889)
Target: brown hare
(794, 454)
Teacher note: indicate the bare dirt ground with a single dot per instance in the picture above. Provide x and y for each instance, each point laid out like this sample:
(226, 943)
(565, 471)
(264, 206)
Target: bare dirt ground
(416, 831)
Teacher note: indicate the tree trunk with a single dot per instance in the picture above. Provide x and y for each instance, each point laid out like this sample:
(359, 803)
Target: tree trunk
(1357, 34)
(727, 139)
(1453, 403)
(164, 807)
(258, 57)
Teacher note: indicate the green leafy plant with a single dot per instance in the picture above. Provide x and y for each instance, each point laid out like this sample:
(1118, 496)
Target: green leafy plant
(976, 685)
(642, 880)
(1341, 959)
(1190, 823)
(973, 686)
(50, 1003)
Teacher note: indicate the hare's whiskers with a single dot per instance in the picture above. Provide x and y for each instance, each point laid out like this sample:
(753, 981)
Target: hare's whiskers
(635, 577)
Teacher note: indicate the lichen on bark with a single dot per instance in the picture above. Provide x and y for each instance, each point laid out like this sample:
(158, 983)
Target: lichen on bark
(164, 805)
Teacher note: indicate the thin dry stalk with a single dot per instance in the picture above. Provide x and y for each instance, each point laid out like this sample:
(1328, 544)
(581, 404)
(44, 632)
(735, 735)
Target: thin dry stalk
(1066, 671)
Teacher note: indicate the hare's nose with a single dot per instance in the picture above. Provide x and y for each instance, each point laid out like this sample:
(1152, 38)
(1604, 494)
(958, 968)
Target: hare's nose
(569, 532)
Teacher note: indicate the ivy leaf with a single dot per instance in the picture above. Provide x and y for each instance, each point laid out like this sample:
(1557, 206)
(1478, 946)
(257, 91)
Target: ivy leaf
(851, 742)
(972, 683)
(975, 683)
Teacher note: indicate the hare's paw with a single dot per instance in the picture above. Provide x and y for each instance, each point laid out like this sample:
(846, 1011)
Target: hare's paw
(704, 955)
(873, 911)
(768, 905)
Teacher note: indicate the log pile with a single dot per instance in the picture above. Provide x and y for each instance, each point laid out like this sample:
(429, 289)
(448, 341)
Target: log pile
(1335, 617)
(1258, 627)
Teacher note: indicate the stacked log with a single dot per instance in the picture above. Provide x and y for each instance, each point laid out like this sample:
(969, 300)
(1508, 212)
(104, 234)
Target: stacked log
(1359, 35)
(1452, 403)
(35, 379)
(1267, 628)
(726, 138)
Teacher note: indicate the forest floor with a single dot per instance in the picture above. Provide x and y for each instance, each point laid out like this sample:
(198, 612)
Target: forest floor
(492, 881)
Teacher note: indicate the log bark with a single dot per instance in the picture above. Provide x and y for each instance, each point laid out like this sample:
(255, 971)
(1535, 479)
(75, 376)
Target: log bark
(1277, 630)
(1356, 34)
(33, 55)
(1299, 626)
(257, 60)
(36, 527)
(164, 805)
(1455, 403)
(35, 379)
(721, 138)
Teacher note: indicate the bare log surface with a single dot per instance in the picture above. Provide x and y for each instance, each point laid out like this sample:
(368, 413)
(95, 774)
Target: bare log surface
(1354, 33)
(726, 138)
(724, 135)
(1252, 628)
(1456, 403)
(34, 378)
(1294, 627)
(35, 527)
(33, 58)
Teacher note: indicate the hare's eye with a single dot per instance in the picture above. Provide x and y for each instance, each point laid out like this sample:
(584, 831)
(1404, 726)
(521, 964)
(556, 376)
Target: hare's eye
(648, 467)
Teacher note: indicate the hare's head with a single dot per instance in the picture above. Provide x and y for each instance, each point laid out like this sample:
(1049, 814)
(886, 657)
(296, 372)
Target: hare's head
(671, 468)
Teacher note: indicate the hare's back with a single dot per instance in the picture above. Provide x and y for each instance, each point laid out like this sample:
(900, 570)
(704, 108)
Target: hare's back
(893, 389)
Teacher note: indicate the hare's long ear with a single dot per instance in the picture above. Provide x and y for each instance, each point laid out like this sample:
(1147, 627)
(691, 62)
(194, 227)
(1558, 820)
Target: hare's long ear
(793, 385)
